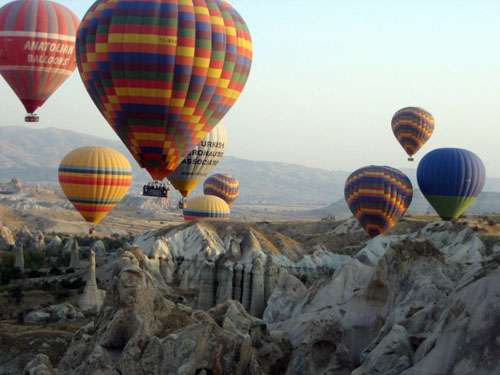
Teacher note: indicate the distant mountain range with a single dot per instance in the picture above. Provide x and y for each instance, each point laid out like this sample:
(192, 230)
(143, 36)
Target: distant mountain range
(33, 155)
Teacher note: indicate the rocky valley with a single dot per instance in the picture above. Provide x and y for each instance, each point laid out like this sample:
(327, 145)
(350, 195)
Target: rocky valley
(312, 297)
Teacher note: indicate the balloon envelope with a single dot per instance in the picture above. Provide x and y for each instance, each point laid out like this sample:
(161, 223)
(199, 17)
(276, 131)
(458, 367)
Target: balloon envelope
(206, 207)
(222, 186)
(412, 127)
(451, 179)
(200, 161)
(95, 179)
(163, 73)
(37, 48)
(378, 197)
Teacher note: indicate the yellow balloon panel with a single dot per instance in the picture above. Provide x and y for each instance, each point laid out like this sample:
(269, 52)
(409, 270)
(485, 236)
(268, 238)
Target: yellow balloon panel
(95, 179)
(206, 207)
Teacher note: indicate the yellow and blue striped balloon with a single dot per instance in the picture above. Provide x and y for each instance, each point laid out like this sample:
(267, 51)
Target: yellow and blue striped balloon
(206, 207)
(95, 179)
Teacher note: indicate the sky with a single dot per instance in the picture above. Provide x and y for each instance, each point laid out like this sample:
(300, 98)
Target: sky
(328, 75)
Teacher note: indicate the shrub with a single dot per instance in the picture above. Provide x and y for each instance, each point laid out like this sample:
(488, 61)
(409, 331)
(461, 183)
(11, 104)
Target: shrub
(54, 271)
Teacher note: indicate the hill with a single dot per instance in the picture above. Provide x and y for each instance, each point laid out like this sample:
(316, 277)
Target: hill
(33, 155)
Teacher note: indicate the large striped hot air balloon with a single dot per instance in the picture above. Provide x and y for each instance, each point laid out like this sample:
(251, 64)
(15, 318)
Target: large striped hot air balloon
(206, 207)
(37, 49)
(200, 161)
(163, 72)
(222, 186)
(451, 179)
(95, 179)
(378, 197)
(412, 127)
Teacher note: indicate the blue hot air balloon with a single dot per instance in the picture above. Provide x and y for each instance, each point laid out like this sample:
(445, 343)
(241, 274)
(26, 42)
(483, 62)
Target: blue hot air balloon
(451, 179)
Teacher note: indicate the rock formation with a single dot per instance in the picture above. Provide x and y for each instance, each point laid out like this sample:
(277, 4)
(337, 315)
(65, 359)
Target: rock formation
(53, 314)
(99, 248)
(239, 265)
(19, 261)
(139, 331)
(92, 298)
(54, 246)
(7, 240)
(69, 245)
(74, 262)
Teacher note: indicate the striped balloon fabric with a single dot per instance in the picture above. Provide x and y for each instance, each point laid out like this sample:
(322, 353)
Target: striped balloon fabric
(206, 207)
(95, 179)
(378, 197)
(451, 179)
(222, 186)
(200, 161)
(412, 127)
(37, 48)
(163, 72)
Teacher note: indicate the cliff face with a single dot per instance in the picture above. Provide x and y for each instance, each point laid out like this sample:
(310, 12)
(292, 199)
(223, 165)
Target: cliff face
(238, 262)
(424, 300)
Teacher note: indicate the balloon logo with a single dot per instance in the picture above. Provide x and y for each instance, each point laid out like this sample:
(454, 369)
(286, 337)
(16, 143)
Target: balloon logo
(222, 186)
(95, 179)
(163, 73)
(206, 207)
(378, 197)
(200, 161)
(37, 49)
(412, 127)
(451, 179)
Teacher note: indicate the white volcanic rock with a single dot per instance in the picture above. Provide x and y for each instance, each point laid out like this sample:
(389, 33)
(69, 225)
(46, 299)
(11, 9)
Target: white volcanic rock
(40, 365)
(53, 314)
(7, 239)
(139, 331)
(392, 355)
(54, 245)
(69, 245)
(19, 261)
(99, 248)
(74, 262)
(92, 298)
(229, 263)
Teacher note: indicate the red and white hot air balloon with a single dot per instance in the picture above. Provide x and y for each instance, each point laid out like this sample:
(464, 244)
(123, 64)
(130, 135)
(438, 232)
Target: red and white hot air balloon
(37, 49)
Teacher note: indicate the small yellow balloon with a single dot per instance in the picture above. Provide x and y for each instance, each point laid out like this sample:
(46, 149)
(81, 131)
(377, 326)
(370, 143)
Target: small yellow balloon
(206, 207)
(95, 179)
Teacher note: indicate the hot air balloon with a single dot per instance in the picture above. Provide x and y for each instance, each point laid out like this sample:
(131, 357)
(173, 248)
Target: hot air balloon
(200, 161)
(378, 197)
(37, 49)
(222, 186)
(206, 207)
(451, 179)
(163, 73)
(95, 179)
(412, 127)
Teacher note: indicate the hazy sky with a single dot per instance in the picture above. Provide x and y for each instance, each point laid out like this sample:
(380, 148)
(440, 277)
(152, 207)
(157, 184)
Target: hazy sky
(329, 74)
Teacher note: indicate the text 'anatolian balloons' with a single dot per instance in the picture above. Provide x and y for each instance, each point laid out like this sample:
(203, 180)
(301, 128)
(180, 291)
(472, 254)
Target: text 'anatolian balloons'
(37, 48)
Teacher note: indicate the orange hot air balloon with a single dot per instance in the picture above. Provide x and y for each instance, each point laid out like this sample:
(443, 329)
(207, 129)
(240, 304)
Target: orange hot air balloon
(95, 179)
(163, 73)
(37, 49)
